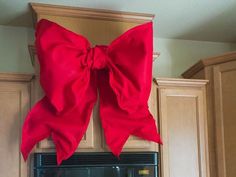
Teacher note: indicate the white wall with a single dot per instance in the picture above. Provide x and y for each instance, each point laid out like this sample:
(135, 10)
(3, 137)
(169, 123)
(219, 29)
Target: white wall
(176, 55)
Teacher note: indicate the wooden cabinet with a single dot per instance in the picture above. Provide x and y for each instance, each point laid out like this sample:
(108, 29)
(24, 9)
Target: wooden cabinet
(183, 127)
(109, 25)
(93, 139)
(221, 102)
(135, 143)
(225, 117)
(100, 27)
(87, 141)
(14, 105)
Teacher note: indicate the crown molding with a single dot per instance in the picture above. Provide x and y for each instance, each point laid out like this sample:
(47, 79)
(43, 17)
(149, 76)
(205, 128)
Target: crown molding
(17, 77)
(176, 82)
(79, 12)
(208, 62)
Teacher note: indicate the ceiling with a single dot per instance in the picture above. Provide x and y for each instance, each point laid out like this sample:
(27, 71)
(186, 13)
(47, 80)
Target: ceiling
(203, 20)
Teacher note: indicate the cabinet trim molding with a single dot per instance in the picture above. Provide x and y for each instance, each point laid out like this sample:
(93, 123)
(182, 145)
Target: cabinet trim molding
(16, 77)
(79, 12)
(180, 82)
(207, 62)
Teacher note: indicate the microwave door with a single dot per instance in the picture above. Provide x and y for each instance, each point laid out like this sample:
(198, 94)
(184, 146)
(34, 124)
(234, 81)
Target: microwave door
(117, 171)
(63, 172)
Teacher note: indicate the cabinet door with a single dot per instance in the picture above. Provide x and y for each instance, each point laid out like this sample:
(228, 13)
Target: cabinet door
(183, 129)
(136, 144)
(225, 117)
(14, 104)
(87, 141)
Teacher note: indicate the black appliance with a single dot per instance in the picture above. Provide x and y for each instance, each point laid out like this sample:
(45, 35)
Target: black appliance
(97, 164)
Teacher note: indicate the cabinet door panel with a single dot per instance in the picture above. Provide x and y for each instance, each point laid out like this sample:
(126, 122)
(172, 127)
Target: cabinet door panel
(183, 129)
(87, 141)
(14, 104)
(135, 143)
(225, 114)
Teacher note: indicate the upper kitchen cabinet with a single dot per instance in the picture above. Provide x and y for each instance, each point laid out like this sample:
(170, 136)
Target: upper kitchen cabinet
(99, 27)
(221, 102)
(14, 105)
(183, 127)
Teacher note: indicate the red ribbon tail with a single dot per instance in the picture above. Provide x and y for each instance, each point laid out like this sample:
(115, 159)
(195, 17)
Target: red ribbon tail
(34, 129)
(115, 139)
(148, 130)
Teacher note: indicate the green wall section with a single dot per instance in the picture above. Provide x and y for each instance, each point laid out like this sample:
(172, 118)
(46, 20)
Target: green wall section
(14, 55)
(176, 55)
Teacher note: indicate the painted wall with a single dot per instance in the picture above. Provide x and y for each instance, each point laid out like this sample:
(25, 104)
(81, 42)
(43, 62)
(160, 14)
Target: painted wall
(176, 55)
(14, 55)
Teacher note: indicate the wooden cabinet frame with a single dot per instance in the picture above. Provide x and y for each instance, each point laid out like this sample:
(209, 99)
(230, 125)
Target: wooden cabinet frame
(176, 139)
(14, 91)
(221, 101)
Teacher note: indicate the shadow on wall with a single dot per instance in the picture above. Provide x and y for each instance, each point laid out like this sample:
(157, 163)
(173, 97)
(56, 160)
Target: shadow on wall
(19, 17)
(214, 26)
(233, 47)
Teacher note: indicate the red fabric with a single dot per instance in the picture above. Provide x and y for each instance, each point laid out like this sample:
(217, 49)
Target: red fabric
(72, 73)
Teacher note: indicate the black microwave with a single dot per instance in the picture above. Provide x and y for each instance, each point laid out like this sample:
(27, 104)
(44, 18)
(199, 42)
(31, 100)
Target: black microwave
(97, 164)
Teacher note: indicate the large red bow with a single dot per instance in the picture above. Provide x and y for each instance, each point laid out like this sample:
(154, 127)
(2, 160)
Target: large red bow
(71, 72)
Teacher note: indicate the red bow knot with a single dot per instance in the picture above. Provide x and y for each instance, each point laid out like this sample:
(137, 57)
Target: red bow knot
(72, 74)
(96, 57)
